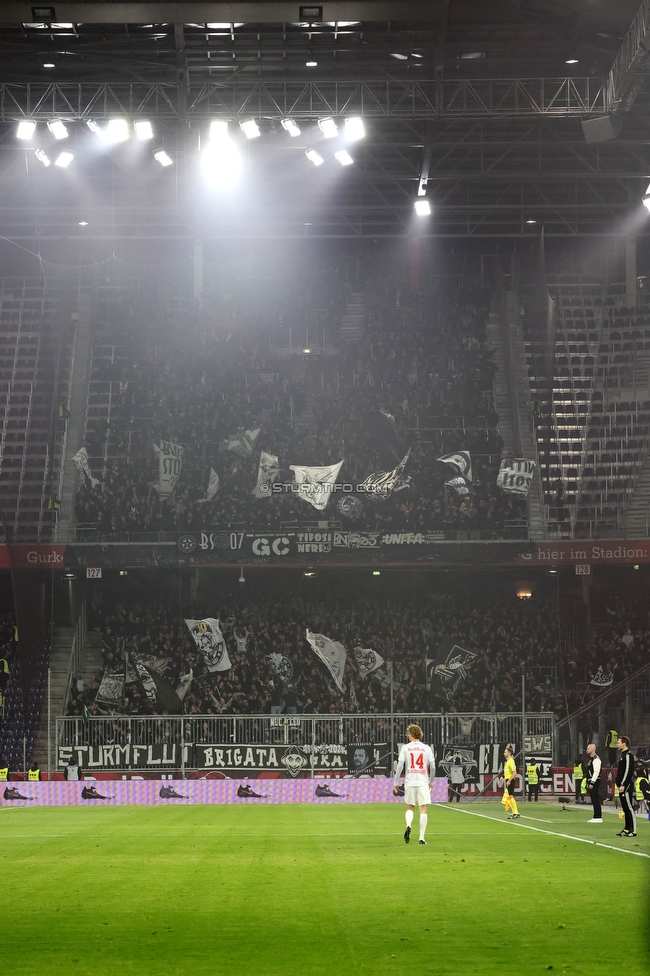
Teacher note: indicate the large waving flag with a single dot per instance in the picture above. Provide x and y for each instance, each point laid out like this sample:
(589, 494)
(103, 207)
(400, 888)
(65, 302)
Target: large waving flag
(170, 463)
(210, 641)
(332, 654)
(380, 484)
(241, 443)
(212, 489)
(80, 461)
(315, 481)
(460, 462)
(268, 471)
(367, 660)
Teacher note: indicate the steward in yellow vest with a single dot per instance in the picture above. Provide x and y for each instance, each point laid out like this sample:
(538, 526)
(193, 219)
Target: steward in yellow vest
(532, 775)
(34, 774)
(4, 774)
(641, 789)
(579, 781)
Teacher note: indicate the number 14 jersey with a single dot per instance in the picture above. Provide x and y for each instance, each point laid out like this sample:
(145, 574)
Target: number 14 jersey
(419, 763)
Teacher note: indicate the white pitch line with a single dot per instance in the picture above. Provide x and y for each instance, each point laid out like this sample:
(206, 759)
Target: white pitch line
(538, 819)
(552, 833)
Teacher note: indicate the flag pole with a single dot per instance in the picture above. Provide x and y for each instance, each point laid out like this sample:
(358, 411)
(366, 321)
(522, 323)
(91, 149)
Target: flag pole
(523, 734)
(392, 716)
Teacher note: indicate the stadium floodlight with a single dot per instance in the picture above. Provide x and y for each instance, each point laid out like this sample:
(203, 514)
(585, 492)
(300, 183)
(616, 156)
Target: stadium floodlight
(646, 198)
(221, 163)
(161, 156)
(422, 208)
(143, 129)
(94, 127)
(291, 127)
(58, 129)
(354, 129)
(311, 62)
(42, 157)
(250, 128)
(328, 127)
(218, 130)
(26, 129)
(314, 156)
(117, 130)
(64, 159)
(344, 157)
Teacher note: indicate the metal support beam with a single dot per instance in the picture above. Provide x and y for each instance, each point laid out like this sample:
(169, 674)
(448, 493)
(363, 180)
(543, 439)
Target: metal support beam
(508, 98)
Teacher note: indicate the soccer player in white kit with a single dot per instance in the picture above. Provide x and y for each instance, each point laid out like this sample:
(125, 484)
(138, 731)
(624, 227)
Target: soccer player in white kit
(419, 762)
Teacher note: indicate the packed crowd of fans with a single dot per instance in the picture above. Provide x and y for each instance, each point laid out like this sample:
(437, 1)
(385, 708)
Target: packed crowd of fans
(506, 633)
(420, 379)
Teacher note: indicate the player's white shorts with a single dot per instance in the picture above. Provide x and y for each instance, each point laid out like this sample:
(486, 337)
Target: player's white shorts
(417, 795)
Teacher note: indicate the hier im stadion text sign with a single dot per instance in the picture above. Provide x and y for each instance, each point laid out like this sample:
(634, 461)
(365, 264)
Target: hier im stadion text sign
(284, 548)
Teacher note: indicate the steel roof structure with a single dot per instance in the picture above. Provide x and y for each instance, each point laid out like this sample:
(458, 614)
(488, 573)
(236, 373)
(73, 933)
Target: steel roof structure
(480, 106)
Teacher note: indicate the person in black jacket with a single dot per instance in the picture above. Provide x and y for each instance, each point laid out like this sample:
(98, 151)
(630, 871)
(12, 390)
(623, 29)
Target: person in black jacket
(625, 785)
(593, 782)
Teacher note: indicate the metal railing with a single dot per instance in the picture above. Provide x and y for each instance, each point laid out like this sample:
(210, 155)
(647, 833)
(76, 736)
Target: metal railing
(108, 742)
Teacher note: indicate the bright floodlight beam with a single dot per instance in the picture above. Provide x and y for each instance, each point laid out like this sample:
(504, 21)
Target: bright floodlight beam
(26, 129)
(328, 127)
(646, 199)
(143, 129)
(117, 130)
(64, 159)
(250, 128)
(58, 129)
(314, 156)
(291, 127)
(94, 127)
(344, 157)
(161, 156)
(221, 163)
(354, 129)
(422, 208)
(218, 130)
(42, 157)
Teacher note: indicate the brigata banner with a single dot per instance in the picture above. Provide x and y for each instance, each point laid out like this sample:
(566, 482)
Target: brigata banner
(234, 760)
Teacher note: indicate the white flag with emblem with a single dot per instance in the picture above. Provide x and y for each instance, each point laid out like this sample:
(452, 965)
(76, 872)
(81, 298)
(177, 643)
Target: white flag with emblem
(515, 476)
(80, 461)
(268, 471)
(332, 654)
(210, 641)
(213, 488)
(367, 660)
(602, 678)
(315, 482)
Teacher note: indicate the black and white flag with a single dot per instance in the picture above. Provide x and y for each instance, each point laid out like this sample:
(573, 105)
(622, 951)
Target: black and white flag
(367, 660)
(210, 641)
(316, 482)
(268, 471)
(281, 666)
(241, 443)
(459, 485)
(332, 654)
(111, 690)
(450, 669)
(515, 476)
(212, 489)
(602, 678)
(460, 462)
(80, 461)
(380, 484)
(170, 462)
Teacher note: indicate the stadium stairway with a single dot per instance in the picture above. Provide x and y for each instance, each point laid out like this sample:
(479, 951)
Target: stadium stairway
(635, 520)
(60, 667)
(77, 407)
(92, 663)
(353, 324)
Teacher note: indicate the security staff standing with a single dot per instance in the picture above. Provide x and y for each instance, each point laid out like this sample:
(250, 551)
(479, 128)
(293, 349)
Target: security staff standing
(578, 777)
(4, 771)
(625, 784)
(532, 776)
(34, 774)
(642, 790)
(594, 766)
(72, 772)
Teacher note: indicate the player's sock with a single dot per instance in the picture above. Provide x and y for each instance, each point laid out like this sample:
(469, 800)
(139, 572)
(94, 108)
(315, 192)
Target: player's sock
(513, 804)
(409, 817)
(423, 824)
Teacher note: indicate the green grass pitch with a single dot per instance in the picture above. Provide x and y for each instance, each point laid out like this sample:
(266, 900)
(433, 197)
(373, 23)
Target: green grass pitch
(284, 890)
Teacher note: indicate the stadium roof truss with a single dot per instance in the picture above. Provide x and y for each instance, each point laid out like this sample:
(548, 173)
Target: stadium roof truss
(444, 87)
